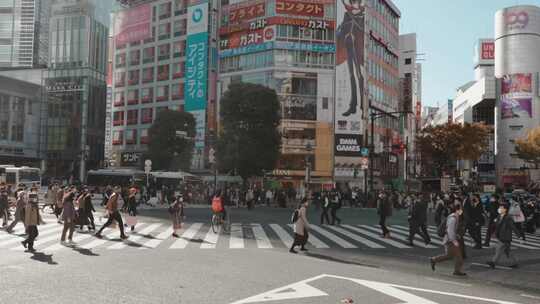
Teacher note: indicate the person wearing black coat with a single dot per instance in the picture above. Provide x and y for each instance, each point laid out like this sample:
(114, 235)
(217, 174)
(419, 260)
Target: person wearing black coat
(504, 230)
(474, 219)
(384, 210)
(418, 219)
(86, 209)
(493, 208)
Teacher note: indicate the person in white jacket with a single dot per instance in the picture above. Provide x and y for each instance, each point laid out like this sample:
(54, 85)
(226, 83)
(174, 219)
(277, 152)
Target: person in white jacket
(301, 227)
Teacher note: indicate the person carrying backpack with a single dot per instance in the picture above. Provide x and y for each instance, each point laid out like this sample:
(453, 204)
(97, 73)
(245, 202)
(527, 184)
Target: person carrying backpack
(301, 227)
(451, 243)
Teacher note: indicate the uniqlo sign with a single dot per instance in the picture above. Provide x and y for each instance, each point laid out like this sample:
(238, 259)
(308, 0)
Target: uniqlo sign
(299, 8)
(488, 50)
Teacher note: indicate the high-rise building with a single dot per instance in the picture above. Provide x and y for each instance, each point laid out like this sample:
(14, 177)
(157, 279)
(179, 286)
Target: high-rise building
(288, 46)
(150, 61)
(74, 118)
(24, 33)
(517, 66)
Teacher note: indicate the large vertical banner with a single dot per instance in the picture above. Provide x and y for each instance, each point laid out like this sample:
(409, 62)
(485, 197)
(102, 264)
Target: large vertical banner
(196, 85)
(351, 79)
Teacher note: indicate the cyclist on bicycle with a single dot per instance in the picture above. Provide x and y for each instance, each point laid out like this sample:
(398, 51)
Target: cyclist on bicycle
(217, 205)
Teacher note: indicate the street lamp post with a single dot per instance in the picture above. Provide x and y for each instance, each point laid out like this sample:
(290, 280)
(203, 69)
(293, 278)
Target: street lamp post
(309, 148)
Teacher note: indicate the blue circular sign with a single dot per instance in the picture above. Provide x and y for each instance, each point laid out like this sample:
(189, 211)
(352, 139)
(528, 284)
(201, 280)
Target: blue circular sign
(197, 15)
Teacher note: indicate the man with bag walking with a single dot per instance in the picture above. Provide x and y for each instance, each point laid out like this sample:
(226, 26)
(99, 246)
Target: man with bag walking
(32, 219)
(19, 211)
(335, 205)
(504, 230)
(114, 214)
(474, 219)
(493, 209)
(451, 243)
(418, 219)
(384, 210)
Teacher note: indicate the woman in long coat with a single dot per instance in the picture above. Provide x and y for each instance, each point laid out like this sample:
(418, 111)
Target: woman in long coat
(68, 215)
(301, 227)
(177, 214)
(19, 211)
(32, 219)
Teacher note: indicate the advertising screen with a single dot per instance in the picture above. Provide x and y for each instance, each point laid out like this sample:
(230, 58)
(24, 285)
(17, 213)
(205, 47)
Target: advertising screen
(350, 77)
(133, 24)
(516, 83)
(516, 107)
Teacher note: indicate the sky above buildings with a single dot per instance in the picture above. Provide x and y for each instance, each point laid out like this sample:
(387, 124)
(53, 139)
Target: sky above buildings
(447, 32)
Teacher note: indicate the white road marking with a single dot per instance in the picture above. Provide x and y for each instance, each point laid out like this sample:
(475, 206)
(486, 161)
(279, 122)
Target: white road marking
(16, 239)
(282, 234)
(355, 237)
(313, 240)
(378, 237)
(189, 234)
(98, 242)
(154, 243)
(133, 238)
(76, 239)
(211, 239)
(395, 229)
(260, 236)
(334, 238)
(236, 240)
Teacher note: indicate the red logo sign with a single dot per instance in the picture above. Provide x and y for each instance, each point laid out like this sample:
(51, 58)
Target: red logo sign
(488, 51)
(241, 14)
(299, 8)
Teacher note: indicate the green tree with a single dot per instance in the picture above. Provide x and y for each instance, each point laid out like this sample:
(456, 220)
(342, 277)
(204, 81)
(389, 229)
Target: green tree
(528, 148)
(167, 149)
(441, 146)
(249, 141)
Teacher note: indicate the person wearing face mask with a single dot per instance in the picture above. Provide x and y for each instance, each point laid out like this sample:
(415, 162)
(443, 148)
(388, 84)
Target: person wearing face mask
(505, 227)
(384, 210)
(451, 243)
(474, 219)
(493, 208)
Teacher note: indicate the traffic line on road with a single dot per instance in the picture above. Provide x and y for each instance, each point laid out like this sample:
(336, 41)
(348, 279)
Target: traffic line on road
(154, 243)
(282, 234)
(211, 239)
(260, 236)
(379, 238)
(355, 237)
(334, 238)
(188, 235)
(133, 238)
(236, 238)
(487, 266)
(313, 240)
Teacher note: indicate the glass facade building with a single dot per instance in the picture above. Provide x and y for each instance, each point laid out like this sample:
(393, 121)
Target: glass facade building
(75, 83)
(23, 33)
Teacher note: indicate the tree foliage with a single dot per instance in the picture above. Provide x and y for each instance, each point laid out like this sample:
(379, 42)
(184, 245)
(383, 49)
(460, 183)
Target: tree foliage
(441, 146)
(166, 149)
(249, 141)
(528, 148)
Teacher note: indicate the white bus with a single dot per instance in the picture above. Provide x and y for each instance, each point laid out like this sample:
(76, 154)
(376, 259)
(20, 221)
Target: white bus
(15, 176)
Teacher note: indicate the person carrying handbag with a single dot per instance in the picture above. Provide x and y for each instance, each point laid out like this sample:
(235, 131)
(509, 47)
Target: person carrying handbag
(177, 214)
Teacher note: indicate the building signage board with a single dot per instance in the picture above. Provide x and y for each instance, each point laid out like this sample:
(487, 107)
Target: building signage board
(299, 8)
(248, 11)
(516, 83)
(283, 45)
(196, 68)
(133, 24)
(348, 145)
(487, 51)
(130, 158)
(262, 23)
(259, 36)
(350, 94)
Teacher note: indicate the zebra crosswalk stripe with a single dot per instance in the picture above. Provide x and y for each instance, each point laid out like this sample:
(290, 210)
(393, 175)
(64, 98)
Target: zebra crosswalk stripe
(260, 236)
(133, 238)
(334, 238)
(98, 242)
(78, 238)
(189, 234)
(17, 239)
(390, 242)
(154, 243)
(313, 240)
(355, 237)
(211, 239)
(236, 239)
(398, 230)
(282, 234)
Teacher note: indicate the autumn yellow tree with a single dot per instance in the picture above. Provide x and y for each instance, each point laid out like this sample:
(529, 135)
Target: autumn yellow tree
(528, 148)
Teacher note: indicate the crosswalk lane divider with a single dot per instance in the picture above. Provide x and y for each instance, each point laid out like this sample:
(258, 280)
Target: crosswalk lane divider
(261, 238)
(313, 240)
(189, 234)
(133, 238)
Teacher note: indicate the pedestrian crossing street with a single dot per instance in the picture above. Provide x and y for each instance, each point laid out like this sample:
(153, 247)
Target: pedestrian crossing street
(243, 235)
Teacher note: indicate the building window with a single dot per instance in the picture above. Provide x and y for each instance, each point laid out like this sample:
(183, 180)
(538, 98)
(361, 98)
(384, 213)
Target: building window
(147, 95)
(148, 75)
(408, 61)
(118, 137)
(325, 103)
(180, 27)
(162, 93)
(163, 72)
(164, 31)
(178, 70)
(151, 39)
(148, 55)
(179, 49)
(120, 60)
(164, 10)
(132, 117)
(118, 118)
(177, 91)
(144, 137)
(146, 115)
(17, 132)
(133, 97)
(135, 57)
(131, 137)
(133, 77)
(120, 79)
(164, 51)
(119, 99)
(180, 7)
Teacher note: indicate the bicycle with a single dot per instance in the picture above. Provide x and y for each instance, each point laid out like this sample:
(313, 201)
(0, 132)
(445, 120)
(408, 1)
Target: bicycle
(218, 220)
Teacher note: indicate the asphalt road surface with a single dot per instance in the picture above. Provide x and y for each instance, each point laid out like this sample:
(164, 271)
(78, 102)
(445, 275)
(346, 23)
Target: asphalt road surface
(252, 265)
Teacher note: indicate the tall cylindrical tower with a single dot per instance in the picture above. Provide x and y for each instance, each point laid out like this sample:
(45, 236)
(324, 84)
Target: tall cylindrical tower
(517, 64)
